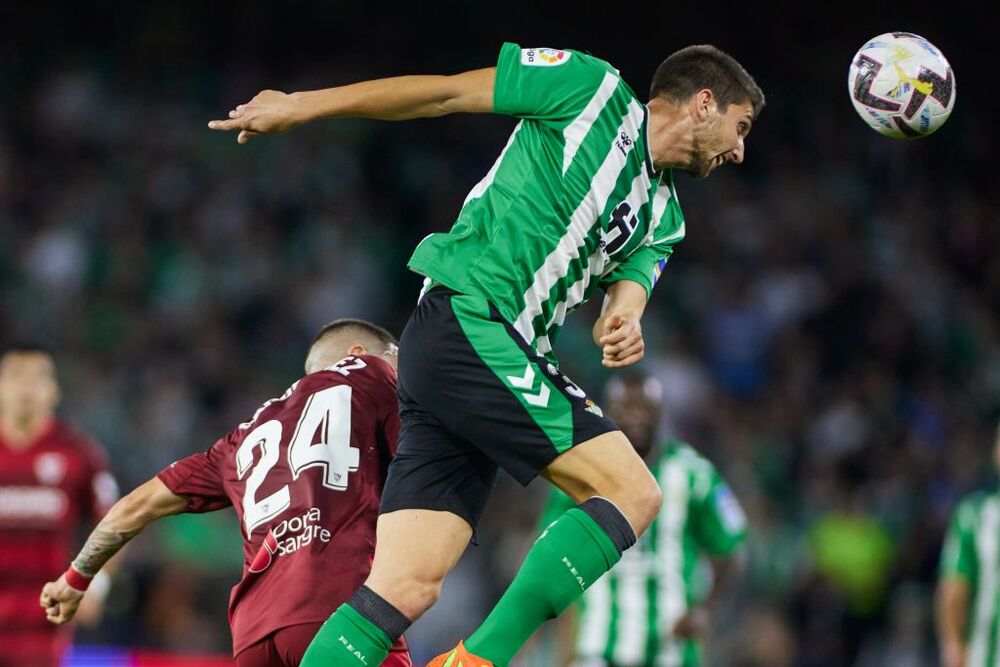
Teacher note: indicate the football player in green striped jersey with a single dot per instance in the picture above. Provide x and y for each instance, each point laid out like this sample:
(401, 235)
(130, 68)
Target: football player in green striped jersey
(581, 200)
(968, 597)
(652, 608)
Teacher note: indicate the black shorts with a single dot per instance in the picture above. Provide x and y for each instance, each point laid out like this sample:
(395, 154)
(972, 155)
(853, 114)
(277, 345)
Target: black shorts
(475, 397)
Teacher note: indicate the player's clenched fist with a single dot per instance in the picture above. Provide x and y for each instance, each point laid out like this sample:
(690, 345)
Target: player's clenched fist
(269, 112)
(622, 343)
(60, 601)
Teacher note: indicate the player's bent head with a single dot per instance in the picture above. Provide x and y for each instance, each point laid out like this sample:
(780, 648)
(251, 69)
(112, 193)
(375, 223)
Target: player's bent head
(632, 400)
(703, 66)
(27, 379)
(348, 336)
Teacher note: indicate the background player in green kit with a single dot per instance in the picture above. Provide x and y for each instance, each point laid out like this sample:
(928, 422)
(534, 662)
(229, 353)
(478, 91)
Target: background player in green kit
(652, 607)
(581, 199)
(968, 599)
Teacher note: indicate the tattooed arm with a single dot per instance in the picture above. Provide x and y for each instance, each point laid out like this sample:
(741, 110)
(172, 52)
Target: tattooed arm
(151, 501)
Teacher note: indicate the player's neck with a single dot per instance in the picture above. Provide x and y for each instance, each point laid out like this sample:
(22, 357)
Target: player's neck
(671, 135)
(21, 431)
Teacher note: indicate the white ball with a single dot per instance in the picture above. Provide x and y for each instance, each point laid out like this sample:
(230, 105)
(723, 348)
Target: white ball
(901, 85)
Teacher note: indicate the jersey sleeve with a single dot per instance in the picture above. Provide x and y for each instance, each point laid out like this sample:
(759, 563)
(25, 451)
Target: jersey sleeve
(645, 265)
(958, 557)
(199, 478)
(548, 84)
(720, 523)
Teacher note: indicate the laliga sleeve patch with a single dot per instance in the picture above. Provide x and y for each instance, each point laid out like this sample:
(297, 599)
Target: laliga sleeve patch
(544, 57)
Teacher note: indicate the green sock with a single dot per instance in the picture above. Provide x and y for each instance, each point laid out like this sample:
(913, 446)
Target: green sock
(569, 556)
(347, 638)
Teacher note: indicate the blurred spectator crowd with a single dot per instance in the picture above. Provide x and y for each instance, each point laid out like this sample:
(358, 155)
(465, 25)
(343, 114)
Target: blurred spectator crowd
(827, 333)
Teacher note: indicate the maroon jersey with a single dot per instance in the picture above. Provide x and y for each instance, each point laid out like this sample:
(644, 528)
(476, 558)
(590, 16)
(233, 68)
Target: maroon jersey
(305, 476)
(49, 490)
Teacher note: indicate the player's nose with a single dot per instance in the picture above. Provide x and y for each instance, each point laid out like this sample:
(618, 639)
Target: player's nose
(736, 155)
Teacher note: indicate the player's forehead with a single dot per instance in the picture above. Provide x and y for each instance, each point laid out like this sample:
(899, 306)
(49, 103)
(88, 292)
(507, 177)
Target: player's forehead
(633, 394)
(27, 361)
(740, 111)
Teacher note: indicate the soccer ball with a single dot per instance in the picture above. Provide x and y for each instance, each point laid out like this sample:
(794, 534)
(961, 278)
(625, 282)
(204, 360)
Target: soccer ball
(901, 85)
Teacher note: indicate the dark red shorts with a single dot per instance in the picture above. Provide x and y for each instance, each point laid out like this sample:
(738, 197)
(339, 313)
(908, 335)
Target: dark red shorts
(285, 648)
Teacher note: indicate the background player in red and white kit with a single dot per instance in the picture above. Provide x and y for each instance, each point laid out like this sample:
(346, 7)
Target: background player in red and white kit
(52, 481)
(305, 476)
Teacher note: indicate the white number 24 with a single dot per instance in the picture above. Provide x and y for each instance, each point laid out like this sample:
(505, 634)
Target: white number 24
(328, 411)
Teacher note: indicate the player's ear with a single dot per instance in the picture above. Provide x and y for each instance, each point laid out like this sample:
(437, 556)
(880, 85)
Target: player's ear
(704, 100)
(357, 350)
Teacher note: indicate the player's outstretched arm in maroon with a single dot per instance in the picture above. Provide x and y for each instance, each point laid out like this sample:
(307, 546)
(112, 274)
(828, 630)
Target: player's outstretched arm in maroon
(125, 520)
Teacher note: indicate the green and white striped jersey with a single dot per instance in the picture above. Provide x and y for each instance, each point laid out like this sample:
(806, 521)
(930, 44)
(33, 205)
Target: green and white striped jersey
(571, 205)
(627, 616)
(972, 552)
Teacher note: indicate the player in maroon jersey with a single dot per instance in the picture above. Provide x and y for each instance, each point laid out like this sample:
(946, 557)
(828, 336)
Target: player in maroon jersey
(51, 481)
(305, 477)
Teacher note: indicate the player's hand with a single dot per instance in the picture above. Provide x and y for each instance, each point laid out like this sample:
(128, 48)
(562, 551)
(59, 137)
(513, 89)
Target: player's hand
(269, 112)
(692, 625)
(621, 341)
(60, 601)
(953, 655)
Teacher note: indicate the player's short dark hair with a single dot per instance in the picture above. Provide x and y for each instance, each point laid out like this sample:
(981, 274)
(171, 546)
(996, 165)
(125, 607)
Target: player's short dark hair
(365, 328)
(701, 66)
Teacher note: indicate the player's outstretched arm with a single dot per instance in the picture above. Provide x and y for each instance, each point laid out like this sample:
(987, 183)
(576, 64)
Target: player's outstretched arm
(396, 98)
(618, 331)
(124, 520)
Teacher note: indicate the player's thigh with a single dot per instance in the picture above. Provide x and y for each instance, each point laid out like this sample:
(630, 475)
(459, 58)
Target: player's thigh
(472, 371)
(608, 466)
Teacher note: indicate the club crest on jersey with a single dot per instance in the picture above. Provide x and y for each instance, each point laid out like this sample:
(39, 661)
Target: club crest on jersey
(50, 468)
(544, 57)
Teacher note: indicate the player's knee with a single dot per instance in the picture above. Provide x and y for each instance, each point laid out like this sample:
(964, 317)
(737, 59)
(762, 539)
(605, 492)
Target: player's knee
(650, 502)
(641, 502)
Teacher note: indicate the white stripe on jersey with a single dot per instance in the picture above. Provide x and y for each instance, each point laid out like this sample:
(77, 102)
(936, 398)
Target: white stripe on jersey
(576, 132)
(633, 610)
(637, 197)
(593, 635)
(585, 216)
(479, 188)
(986, 596)
(672, 599)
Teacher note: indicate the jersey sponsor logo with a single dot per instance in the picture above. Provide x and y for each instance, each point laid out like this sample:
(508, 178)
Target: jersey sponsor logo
(289, 536)
(621, 228)
(50, 468)
(32, 502)
(544, 57)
